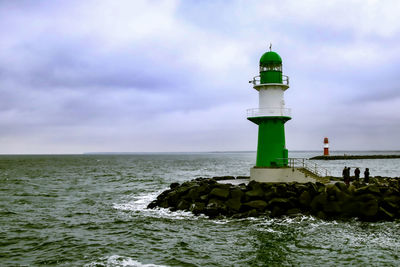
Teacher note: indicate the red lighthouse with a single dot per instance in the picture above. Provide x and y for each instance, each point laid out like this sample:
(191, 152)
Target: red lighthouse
(326, 146)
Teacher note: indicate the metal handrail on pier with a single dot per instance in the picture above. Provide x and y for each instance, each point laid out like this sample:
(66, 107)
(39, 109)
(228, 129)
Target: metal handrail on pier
(310, 166)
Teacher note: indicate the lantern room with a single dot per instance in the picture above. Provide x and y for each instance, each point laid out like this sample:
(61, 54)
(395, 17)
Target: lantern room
(270, 68)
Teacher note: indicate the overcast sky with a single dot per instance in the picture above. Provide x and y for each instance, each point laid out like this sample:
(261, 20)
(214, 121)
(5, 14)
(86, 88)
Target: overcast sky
(144, 76)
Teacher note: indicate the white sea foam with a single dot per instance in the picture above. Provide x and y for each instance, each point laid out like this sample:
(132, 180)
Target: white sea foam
(138, 204)
(120, 261)
(221, 221)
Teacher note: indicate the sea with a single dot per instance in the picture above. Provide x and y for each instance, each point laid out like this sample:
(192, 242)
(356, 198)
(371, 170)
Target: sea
(90, 210)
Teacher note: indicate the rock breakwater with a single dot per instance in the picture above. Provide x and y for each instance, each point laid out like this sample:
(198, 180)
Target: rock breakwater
(379, 200)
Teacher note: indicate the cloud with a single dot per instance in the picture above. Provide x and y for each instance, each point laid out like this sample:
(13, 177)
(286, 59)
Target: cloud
(172, 75)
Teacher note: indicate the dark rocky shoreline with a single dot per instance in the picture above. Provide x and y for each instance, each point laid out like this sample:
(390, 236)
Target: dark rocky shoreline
(378, 200)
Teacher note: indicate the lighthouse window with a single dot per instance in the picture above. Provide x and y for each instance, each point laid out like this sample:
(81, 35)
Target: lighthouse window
(276, 67)
(271, 67)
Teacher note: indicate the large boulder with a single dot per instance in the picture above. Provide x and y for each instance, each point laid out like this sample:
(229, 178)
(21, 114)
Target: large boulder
(350, 209)
(204, 198)
(183, 205)
(312, 189)
(236, 193)
(187, 185)
(153, 204)
(254, 191)
(204, 188)
(184, 189)
(173, 185)
(369, 209)
(343, 197)
(365, 197)
(321, 187)
(305, 199)
(164, 204)
(257, 193)
(197, 208)
(319, 202)
(281, 189)
(215, 207)
(252, 185)
(221, 193)
(300, 188)
(259, 205)
(164, 194)
(392, 191)
(277, 211)
(391, 206)
(342, 187)
(332, 208)
(384, 214)
(293, 212)
(282, 203)
(369, 189)
(291, 193)
(192, 194)
(270, 193)
(392, 198)
(252, 213)
(173, 198)
(332, 190)
(267, 186)
(233, 204)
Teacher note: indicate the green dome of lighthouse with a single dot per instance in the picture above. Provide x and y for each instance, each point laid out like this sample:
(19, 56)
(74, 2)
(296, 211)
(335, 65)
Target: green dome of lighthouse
(270, 68)
(270, 57)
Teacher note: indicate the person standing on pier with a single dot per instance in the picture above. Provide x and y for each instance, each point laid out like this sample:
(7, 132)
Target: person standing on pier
(366, 175)
(357, 174)
(346, 175)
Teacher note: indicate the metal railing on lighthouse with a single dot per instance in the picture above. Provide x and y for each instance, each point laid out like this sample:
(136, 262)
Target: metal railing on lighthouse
(256, 80)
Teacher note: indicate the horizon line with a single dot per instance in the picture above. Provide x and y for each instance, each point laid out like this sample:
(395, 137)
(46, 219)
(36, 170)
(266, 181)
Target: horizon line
(186, 152)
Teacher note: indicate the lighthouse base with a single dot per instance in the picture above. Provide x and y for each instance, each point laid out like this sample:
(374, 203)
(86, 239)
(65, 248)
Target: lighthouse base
(279, 175)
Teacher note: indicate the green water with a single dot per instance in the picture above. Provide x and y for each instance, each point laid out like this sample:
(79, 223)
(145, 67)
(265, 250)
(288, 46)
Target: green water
(89, 210)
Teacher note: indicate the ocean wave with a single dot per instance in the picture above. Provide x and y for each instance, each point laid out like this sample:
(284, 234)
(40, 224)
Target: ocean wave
(120, 261)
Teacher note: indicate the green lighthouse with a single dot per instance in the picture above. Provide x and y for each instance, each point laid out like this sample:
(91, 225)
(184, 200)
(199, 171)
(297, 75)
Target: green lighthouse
(271, 114)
